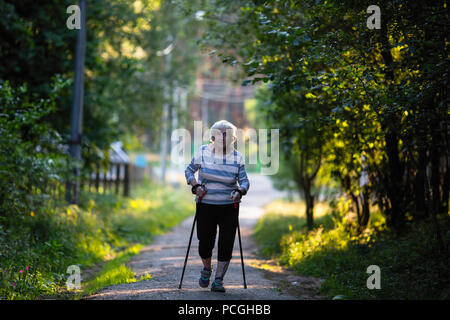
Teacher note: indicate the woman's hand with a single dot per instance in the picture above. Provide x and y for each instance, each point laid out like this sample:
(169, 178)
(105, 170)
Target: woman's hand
(235, 196)
(200, 191)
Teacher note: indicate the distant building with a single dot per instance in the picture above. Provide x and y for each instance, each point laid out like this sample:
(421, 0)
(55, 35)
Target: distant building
(217, 99)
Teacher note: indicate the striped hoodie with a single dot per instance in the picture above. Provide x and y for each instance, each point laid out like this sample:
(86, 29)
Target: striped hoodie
(220, 174)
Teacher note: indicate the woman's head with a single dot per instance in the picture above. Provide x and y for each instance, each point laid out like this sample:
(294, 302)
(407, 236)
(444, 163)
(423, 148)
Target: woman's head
(223, 134)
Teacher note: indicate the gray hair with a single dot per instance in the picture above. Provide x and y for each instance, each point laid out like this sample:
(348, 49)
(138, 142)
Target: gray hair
(223, 125)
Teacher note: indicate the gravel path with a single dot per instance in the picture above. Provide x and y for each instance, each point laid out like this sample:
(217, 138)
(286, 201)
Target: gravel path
(164, 259)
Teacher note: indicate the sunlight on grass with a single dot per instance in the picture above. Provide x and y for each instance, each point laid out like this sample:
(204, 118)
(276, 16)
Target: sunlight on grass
(297, 208)
(263, 265)
(114, 271)
(140, 204)
(282, 217)
(103, 231)
(151, 211)
(334, 250)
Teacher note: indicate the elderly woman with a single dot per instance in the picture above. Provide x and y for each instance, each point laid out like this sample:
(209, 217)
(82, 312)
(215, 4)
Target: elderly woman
(221, 168)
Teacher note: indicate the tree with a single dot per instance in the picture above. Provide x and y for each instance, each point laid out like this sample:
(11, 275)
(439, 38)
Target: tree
(378, 93)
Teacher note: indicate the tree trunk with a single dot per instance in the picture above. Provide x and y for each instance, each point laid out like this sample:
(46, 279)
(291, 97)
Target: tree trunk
(309, 199)
(357, 208)
(435, 186)
(365, 201)
(445, 187)
(390, 124)
(419, 187)
(304, 184)
(394, 187)
(435, 172)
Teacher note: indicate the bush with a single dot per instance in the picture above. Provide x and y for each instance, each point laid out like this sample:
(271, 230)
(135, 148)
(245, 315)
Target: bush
(103, 228)
(411, 265)
(31, 159)
(282, 218)
(40, 236)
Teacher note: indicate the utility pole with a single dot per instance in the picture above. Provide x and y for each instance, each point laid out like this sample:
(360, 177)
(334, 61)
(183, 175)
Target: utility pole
(175, 109)
(165, 128)
(73, 187)
(166, 113)
(204, 109)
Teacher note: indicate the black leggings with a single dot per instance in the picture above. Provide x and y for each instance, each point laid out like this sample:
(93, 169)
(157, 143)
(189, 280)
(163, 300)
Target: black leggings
(208, 217)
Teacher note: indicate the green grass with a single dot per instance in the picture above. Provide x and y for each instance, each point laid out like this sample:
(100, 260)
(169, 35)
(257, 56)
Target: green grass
(104, 230)
(411, 267)
(283, 217)
(113, 272)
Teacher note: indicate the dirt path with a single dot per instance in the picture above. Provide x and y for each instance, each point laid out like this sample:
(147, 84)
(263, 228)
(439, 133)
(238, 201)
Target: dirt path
(164, 259)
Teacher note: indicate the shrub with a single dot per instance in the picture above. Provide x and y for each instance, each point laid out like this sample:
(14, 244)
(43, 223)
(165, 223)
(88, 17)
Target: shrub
(411, 265)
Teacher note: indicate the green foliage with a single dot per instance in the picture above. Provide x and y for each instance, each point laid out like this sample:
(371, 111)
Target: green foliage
(31, 159)
(349, 98)
(114, 271)
(53, 238)
(123, 70)
(270, 230)
(123, 96)
(411, 265)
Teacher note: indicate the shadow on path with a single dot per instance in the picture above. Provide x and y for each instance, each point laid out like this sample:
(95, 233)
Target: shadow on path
(164, 260)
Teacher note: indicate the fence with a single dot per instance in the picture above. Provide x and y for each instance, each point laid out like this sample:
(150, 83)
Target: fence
(111, 177)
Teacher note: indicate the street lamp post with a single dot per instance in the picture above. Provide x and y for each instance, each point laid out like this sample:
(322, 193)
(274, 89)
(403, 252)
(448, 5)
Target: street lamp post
(166, 112)
(73, 187)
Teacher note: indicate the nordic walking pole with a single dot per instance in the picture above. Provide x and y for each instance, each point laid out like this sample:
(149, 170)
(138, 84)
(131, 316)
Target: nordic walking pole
(240, 246)
(189, 246)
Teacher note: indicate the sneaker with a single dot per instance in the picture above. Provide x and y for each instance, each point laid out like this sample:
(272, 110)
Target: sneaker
(205, 275)
(217, 285)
